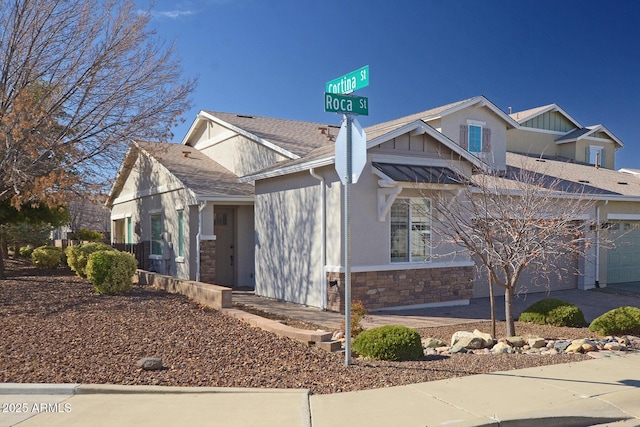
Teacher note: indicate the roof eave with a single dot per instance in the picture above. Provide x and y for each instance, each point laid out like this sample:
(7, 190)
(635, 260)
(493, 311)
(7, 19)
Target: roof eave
(287, 170)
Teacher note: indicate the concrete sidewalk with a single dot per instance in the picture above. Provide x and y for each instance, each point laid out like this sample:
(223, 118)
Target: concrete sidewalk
(604, 391)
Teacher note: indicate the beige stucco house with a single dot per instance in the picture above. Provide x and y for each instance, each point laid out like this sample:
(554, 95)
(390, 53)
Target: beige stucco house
(249, 201)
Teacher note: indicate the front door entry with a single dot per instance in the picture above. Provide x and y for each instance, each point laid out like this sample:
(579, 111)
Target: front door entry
(224, 227)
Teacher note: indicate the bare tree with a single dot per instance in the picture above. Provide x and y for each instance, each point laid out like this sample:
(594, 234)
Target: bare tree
(523, 221)
(78, 80)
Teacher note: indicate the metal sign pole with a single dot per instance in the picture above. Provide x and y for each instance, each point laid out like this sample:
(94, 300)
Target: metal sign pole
(347, 246)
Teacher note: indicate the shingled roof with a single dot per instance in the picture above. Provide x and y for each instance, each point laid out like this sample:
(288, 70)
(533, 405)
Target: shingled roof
(299, 138)
(198, 172)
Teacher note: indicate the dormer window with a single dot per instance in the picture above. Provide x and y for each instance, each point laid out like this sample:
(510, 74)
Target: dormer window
(595, 155)
(475, 139)
(474, 136)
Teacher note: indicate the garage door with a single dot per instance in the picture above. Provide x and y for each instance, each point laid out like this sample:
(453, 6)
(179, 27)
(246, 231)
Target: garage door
(529, 283)
(623, 260)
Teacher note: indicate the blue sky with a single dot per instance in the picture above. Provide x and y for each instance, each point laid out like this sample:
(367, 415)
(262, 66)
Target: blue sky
(273, 57)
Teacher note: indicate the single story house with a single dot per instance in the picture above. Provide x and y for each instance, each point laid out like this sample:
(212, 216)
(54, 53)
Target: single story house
(248, 201)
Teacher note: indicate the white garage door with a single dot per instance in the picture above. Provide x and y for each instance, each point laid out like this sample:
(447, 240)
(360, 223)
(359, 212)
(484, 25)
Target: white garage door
(528, 283)
(623, 260)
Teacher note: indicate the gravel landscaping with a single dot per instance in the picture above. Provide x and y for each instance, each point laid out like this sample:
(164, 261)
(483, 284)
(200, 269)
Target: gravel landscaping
(54, 329)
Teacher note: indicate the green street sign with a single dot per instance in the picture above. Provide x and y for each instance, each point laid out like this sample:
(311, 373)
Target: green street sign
(349, 82)
(345, 104)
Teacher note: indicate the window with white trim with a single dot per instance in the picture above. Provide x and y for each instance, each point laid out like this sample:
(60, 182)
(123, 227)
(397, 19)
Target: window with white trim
(475, 139)
(596, 155)
(410, 234)
(129, 230)
(156, 234)
(181, 232)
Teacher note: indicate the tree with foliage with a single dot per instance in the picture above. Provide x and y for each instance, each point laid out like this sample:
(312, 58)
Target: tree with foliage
(26, 224)
(79, 80)
(523, 221)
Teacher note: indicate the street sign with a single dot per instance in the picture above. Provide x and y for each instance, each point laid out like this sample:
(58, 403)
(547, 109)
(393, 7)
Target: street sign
(349, 82)
(346, 104)
(358, 151)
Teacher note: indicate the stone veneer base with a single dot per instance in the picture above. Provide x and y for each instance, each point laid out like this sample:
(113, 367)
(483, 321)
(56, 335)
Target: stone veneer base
(394, 288)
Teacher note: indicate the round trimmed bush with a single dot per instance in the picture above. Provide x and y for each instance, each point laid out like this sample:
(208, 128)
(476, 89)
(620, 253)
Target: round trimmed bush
(111, 271)
(25, 251)
(390, 342)
(46, 256)
(78, 256)
(555, 312)
(623, 320)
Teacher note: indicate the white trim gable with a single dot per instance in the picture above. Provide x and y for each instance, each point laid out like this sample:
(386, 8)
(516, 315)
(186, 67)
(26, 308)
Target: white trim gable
(205, 116)
(542, 110)
(418, 128)
(479, 102)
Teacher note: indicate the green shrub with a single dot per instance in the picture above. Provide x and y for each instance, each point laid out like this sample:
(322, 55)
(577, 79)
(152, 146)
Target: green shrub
(111, 272)
(623, 320)
(25, 251)
(89, 235)
(77, 256)
(46, 256)
(390, 342)
(555, 312)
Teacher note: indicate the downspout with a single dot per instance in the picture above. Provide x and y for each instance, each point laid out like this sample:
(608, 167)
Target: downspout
(323, 236)
(201, 207)
(606, 202)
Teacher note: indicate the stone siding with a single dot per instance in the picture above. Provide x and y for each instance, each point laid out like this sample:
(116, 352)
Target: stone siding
(394, 288)
(208, 261)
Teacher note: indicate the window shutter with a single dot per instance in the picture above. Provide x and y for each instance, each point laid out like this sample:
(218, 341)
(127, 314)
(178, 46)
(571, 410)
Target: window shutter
(464, 137)
(587, 155)
(486, 140)
(602, 157)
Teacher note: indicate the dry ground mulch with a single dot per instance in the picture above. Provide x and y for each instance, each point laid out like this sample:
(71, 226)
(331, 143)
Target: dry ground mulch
(55, 329)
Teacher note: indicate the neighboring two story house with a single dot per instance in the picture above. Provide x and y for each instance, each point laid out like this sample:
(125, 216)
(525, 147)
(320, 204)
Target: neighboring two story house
(256, 202)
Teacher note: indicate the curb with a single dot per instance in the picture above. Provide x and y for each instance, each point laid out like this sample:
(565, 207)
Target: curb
(78, 389)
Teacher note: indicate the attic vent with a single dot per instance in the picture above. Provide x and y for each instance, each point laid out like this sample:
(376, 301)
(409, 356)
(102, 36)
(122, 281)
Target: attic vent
(243, 116)
(584, 181)
(623, 183)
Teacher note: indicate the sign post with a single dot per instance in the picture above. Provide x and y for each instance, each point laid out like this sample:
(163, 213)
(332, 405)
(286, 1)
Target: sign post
(336, 101)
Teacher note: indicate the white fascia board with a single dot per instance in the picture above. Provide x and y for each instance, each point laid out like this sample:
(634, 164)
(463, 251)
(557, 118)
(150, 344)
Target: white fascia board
(193, 127)
(251, 136)
(300, 167)
(623, 217)
(120, 175)
(227, 199)
(550, 132)
(602, 128)
(484, 102)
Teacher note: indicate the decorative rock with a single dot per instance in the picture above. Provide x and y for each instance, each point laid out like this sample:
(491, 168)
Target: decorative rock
(502, 347)
(150, 363)
(615, 346)
(574, 348)
(489, 341)
(516, 341)
(458, 335)
(587, 347)
(432, 343)
(561, 345)
(469, 343)
(537, 342)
